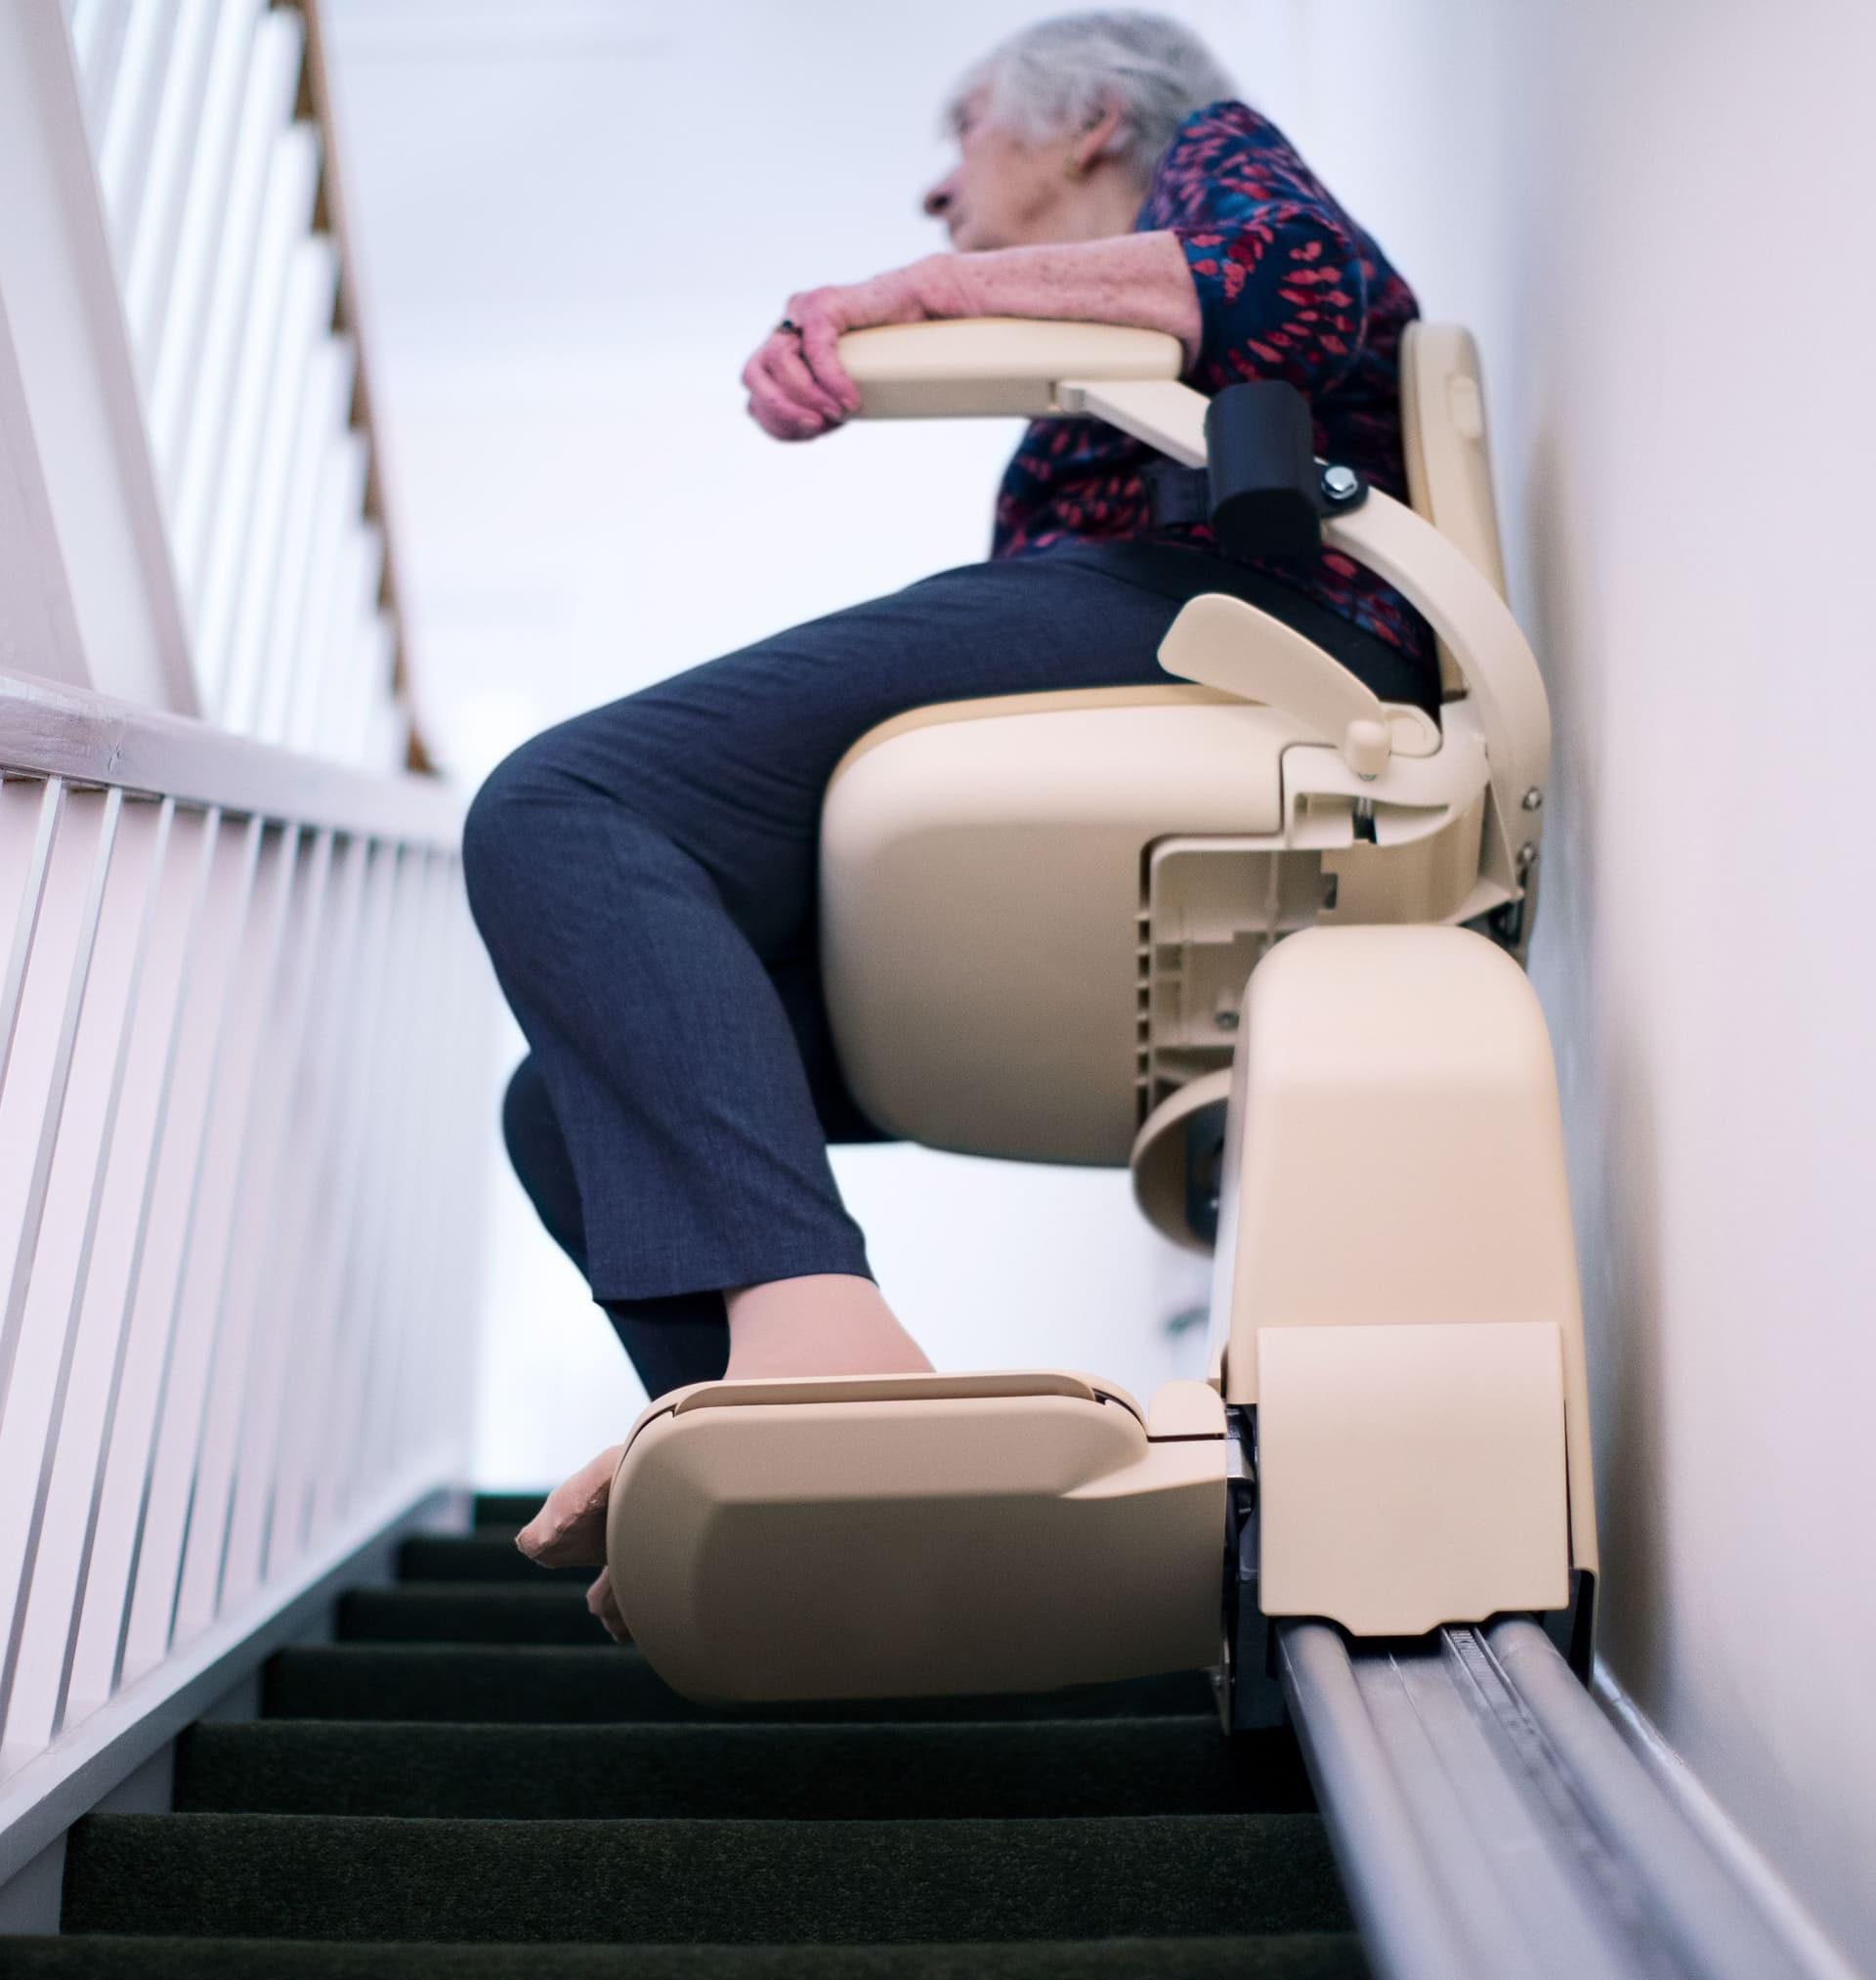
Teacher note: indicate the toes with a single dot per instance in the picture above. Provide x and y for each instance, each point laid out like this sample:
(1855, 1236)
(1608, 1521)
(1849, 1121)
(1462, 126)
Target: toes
(602, 1603)
(570, 1530)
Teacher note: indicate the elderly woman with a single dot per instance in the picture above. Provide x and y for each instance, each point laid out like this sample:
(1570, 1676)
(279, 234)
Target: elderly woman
(643, 875)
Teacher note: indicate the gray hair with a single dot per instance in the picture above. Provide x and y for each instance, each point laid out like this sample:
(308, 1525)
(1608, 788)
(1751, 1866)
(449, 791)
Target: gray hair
(1061, 75)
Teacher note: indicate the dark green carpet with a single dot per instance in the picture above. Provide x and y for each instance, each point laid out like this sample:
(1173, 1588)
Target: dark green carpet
(465, 1612)
(769, 1771)
(469, 1784)
(506, 1509)
(1301, 1955)
(351, 1877)
(488, 1555)
(553, 1684)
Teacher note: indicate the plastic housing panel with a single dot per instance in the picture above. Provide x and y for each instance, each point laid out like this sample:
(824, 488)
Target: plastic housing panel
(920, 1545)
(1448, 453)
(1394, 1158)
(981, 896)
(992, 366)
(1411, 1476)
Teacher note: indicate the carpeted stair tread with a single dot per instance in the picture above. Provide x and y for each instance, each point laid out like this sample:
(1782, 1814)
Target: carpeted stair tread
(472, 1763)
(1302, 1955)
(469, 1611)
(1086, 1767)
(550, 1684)
(506, 1509)
(688, 1881)
(486, 1556)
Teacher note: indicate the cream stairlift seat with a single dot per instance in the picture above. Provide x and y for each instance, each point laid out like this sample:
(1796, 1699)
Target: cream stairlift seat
(1066, 927)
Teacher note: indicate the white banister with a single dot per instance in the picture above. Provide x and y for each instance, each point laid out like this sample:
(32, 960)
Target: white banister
(132, 110)
(238, 1155)
(191, 353)
(187, 150)
(241, 1008)
(84, 545)
(217, 495)
(147, 253)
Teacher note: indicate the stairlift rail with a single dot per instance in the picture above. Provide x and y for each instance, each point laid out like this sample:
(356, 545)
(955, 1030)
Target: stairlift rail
(1491, 1825)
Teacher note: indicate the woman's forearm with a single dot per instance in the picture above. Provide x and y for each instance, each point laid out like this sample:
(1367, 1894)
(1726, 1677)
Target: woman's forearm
(796, 383)
(1136, 278)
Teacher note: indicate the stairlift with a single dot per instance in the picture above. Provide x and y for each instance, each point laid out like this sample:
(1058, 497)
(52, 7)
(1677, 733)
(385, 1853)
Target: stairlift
(1258, 936)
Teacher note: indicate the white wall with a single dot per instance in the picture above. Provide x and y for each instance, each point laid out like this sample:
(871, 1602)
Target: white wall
(1658, 218)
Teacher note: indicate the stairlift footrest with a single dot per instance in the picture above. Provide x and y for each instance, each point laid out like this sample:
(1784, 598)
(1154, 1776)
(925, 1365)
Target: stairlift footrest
(1411, 1476)
(920, 1535)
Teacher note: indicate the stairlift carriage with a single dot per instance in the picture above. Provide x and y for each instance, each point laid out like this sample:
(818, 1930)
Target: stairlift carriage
(1258, 936)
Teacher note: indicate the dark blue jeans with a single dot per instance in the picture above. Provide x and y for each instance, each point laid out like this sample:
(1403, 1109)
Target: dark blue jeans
(643, 878)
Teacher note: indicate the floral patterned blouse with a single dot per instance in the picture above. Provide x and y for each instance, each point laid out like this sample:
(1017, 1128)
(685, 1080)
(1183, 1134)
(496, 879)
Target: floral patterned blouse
(1289, 287)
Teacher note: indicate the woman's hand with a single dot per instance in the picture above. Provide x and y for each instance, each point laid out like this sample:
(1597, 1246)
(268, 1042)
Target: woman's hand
(798, 387)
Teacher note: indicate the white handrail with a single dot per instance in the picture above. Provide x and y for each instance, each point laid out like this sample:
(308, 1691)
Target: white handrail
(49, 729)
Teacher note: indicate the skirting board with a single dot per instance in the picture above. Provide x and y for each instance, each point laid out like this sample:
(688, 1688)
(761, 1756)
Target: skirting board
(1803, 1937)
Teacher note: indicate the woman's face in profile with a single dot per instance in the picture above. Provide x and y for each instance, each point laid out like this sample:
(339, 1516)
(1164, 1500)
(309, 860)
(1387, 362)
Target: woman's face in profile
(1004, 191)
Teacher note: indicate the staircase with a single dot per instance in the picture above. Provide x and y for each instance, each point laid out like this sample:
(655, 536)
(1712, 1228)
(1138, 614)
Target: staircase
(466, 1782)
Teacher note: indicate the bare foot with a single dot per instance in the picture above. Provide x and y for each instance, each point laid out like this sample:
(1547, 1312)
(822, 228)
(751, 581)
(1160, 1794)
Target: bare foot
(828, 1323)
(570, 1530)
(603, 1603)
(825, 1323)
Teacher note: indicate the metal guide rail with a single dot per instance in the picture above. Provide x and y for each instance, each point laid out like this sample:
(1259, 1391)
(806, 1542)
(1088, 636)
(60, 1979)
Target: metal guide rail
(1491, 1824)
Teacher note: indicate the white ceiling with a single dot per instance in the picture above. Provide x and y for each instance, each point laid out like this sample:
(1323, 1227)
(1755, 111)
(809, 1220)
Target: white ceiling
(576, 170)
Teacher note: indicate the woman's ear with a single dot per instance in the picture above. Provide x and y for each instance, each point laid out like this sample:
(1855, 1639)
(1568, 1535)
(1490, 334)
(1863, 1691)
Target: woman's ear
(1091, 143)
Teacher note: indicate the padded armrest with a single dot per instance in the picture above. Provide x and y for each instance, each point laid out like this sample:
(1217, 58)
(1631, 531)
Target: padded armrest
(995, 367)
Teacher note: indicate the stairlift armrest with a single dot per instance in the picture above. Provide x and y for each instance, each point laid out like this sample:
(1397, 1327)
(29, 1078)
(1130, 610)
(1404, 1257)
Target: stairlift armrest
(997, 366)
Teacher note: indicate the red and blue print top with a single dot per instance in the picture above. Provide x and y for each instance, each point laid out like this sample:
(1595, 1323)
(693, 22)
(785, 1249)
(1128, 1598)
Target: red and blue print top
(1289, 287)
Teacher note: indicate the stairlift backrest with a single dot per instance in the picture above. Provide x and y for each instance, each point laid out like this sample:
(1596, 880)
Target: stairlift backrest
(1448, 455)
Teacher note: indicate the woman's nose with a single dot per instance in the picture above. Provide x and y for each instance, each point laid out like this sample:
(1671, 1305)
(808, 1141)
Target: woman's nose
(937, 203)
